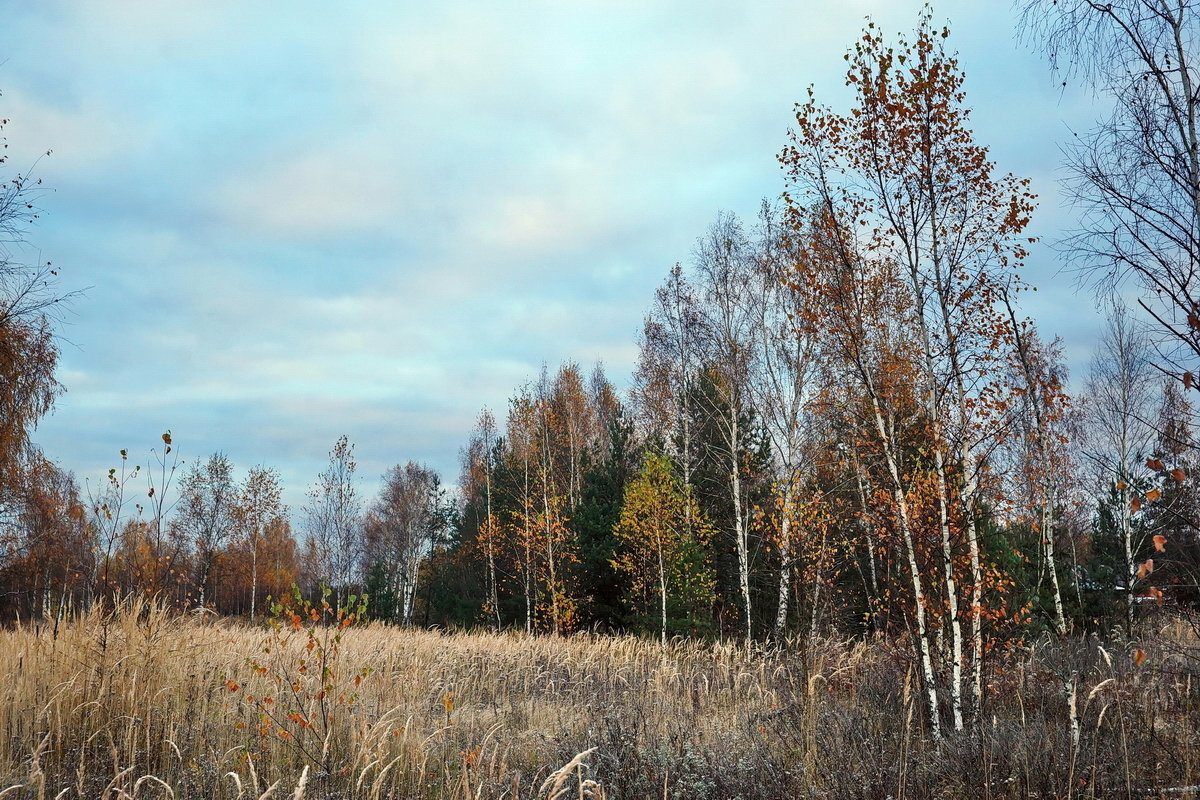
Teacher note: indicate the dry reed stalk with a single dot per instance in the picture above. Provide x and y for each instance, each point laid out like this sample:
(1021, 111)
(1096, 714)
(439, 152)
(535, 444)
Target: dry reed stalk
(301, 784)
(552, 787)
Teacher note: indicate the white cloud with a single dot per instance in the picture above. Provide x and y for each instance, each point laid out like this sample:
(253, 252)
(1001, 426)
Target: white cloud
(320, 193)
(83, 138)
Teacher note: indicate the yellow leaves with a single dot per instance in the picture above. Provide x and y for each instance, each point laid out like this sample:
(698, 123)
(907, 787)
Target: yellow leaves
(1160, 543)
(1153, 495)
(1145, 568)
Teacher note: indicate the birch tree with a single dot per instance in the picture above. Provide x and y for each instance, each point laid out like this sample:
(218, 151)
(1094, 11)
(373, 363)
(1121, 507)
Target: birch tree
(207, 516)
(782, 384)
(724, 272)
(1042, 465)
(260, 506)
(29, 304)
(1135, 177)
(555, 545)
(401, 528)
(669, 359)
(903, 166)
(862, 318)
(519, 529)
(1121, 394)
(334, 515)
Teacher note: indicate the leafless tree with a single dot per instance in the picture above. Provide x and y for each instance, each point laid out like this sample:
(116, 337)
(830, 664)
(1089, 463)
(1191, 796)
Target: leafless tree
(401, 529)
(1136, 176)
(207, 516)
(334, 516)
(724, 274)
(1121, 393)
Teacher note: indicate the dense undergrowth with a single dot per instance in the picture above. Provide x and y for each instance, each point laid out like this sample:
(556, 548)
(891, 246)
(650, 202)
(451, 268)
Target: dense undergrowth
(144, 704)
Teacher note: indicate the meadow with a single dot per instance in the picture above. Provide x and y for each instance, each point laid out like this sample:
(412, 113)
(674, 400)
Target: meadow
(145, 704)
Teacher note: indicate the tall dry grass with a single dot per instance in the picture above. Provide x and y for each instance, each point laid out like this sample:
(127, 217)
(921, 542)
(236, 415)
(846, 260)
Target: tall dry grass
(139, 705)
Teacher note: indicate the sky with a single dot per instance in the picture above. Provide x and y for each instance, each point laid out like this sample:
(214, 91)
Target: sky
(293, 221)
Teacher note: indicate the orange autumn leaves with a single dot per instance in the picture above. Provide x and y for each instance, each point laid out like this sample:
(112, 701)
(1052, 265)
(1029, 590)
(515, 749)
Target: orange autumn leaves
(1137, 502)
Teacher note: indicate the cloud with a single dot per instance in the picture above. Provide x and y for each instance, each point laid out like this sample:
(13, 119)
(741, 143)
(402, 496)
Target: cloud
(83, 138)
(318, 194)
(302, 221)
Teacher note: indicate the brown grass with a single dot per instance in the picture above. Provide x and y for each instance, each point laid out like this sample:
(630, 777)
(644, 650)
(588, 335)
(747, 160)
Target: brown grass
(140, 706)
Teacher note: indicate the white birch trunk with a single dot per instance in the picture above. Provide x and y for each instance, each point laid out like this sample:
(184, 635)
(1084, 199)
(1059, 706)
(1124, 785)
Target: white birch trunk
(739, 524)
(914, 571)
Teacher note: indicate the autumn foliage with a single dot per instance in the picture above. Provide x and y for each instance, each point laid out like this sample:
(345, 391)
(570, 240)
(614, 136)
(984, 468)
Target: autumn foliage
(841, 432)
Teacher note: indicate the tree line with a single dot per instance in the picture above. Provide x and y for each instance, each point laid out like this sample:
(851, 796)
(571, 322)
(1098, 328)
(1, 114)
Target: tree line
(197, 538)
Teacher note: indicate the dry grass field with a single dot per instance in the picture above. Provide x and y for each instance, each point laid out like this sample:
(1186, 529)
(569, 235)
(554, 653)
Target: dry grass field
(148, 705)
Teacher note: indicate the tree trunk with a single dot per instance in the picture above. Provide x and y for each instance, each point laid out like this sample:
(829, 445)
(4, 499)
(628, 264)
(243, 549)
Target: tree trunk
(976, 605)
(206, 561)
(253, 578)
(956, 641)
(785, 561)
(904, 520)
(550, 565)
(491, 533)
(739, 524)
(1127, 542)
(662, 587)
